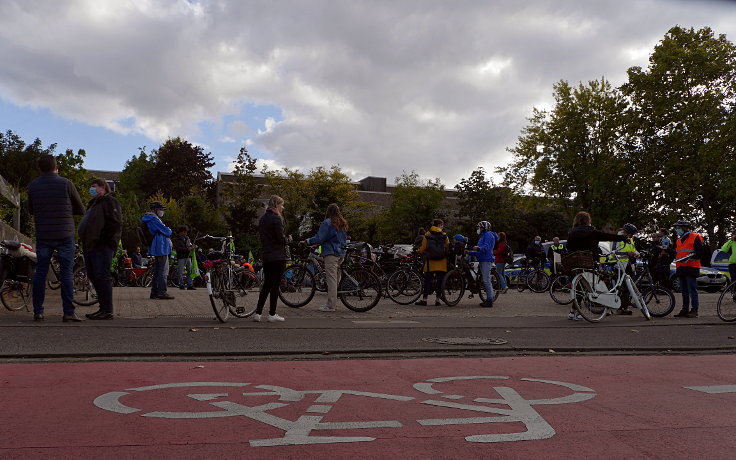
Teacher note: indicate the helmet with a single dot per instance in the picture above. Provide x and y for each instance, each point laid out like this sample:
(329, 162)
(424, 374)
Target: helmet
(157, 205)
(460, 238)
(630, 229)
(682, 223)
(484, 224)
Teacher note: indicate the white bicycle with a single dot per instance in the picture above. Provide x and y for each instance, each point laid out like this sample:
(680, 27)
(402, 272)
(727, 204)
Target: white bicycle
(597, 291)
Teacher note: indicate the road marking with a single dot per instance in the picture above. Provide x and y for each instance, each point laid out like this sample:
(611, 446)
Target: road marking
(389, 321)
(715, 389)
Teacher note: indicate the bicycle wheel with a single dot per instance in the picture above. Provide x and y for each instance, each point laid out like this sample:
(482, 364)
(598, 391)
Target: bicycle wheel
(360, 290)
(660, 300)
(246, 297)
(559, 290)
(726, 308)
(583, 291)
(219, 298)
(52, 281)
(496, 284)
(538, 281)
(15, 295)
(404, 286)
(521, 281)
(84, 291)
(453, 287)
(297, 286)
(147, 279)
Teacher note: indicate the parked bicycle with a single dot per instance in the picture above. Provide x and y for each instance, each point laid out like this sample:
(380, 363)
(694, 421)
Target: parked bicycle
(726, 307)
(84, 290)
(404, 285)
(463, 276)
(229, 293)
(531, 276)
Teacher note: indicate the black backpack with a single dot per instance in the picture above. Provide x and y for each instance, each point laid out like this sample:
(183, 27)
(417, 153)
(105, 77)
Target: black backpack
(144, 234)
(435, 246)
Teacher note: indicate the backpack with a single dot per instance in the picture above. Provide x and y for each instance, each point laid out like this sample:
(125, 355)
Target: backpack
(435, 246)
(144, 234)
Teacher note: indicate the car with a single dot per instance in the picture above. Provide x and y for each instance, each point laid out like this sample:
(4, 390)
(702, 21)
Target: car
(712, 278)
(719, 261)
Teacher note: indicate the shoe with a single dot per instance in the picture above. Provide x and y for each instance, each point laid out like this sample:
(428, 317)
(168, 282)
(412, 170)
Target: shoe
(182, 288)
(98, 312)
(165, 296)
(487, 304)
(38, 318)
(625, 312)
(574, 316)
(504, 290)
(578, 317)
(274, 318)
(103, 315)
(154, 296)
(692, 314)
(256, 318)
(191, 288)
(570, 315)
(71, 318)
(325, 308)
(437, 302)
(681, 314)
(421, 302)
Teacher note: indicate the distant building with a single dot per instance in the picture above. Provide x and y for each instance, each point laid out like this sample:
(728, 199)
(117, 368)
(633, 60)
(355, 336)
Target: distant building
(111, 177)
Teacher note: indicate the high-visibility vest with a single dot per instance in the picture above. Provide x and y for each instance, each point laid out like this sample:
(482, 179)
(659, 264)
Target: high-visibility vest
(683, 248)
(558, 247)
(625, 246)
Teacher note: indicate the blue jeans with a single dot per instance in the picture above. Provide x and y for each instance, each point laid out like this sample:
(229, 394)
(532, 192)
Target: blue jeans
(65, 249)
(485, 272)
(689, 286)
(501, 270)
(160, 273)
(98, 261)
(182, 264)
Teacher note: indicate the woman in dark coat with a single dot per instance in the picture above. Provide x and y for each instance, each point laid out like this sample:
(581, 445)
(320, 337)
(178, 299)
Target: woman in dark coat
(274, 256)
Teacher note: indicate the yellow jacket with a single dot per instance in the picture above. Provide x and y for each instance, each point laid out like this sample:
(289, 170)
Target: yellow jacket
(434, 265)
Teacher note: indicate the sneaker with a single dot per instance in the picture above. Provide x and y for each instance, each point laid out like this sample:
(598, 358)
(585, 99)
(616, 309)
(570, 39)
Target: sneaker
(692, 314)
(625, 312)
(191, 288)
(182, 288)
(420, 302)
(256, 318)
(437, 302)
(325, 308)
(487, 304)
(574, 316)
(578, 317)
(570, 315)
(504, 290)
(274, 318)
(681, 314)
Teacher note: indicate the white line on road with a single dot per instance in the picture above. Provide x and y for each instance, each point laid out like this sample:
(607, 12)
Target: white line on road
(715, 389)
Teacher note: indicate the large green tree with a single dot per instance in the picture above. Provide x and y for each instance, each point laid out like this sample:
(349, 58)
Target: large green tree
(414, 203)
(178, 166)
(682, 106)
(242, 203)
(573, 154)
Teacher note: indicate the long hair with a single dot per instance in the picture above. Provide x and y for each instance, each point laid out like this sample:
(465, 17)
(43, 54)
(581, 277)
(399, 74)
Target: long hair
(102, 183)
(274, 201)
(338, 221)
(582, 219)
(501, 237)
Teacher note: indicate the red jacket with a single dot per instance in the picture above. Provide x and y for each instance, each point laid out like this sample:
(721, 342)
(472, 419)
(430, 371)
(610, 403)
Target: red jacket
(499, 253)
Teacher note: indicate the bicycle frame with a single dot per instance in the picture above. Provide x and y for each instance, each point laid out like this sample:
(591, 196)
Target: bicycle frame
(609, 297)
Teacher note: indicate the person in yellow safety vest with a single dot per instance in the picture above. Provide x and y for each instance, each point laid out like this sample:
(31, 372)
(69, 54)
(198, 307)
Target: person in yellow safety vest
(730, 246)
(556, 248)
(688, 249)
(627, 254)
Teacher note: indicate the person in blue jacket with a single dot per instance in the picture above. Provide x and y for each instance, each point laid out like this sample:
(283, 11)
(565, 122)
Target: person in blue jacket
(332, 235)
(484, 253)
(160, 249)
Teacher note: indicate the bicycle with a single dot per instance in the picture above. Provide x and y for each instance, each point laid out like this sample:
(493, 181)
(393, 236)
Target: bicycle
(16, 276)
(726, 307)
(660, 299)
(225, 284)
(404, 285)
(594, 293)
(532, 276)
(84, 291)
(463, 276)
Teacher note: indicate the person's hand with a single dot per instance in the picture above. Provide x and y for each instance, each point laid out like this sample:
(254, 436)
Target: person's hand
(476, 248)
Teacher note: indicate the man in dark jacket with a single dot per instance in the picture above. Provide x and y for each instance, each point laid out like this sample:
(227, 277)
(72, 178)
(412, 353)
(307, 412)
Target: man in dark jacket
(53, 201)
(183, 247)
(535, 253)
(99, 232)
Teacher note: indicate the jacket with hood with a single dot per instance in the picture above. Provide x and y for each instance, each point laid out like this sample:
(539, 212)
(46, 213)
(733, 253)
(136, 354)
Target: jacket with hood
(485, 244)
(161, 245)
(434, 265)
(102, 223)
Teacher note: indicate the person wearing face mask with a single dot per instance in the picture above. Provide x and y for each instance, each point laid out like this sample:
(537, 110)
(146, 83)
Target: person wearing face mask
(535, 253)
(160, 249)
(484, 253)
(688, 250)
(99, 231)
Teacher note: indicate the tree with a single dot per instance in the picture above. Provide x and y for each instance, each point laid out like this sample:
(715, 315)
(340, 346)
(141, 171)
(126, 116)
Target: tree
(242, 204)
(480, 199)
(573, 154)
(178, 166)
(414, 203)
(683, 107)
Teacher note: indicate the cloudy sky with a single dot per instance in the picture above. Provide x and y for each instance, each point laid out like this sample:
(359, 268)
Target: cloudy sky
(376, 87)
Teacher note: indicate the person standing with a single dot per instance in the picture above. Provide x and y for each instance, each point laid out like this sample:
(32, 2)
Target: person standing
(434, 247)
(730, 246)
(688, 250)
(332, 235)
(502, 255)
(160, 249)
(535, 253)
(484, 253)
(183, 247)
(99, 232)
(273, 253)
(53, 201)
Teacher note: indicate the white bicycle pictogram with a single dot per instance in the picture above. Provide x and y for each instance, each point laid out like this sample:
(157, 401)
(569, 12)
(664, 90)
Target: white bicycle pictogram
(300, 431)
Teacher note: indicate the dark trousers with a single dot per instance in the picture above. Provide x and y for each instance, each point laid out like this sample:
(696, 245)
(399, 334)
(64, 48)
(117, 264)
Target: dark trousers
(432, 283)
(689, 286)
(160, 275)
(272, 272)
(98, 261)
(65, 255)
(732, 273)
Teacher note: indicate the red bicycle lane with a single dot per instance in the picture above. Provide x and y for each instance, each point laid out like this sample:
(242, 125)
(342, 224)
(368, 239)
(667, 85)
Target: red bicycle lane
(549, 407)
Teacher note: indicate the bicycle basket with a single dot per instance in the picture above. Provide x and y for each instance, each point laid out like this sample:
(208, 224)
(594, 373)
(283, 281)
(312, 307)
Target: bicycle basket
(577, 260)
(215, 255)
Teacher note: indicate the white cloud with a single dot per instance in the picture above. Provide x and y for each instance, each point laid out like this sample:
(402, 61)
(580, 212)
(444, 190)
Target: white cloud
(377, 87)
